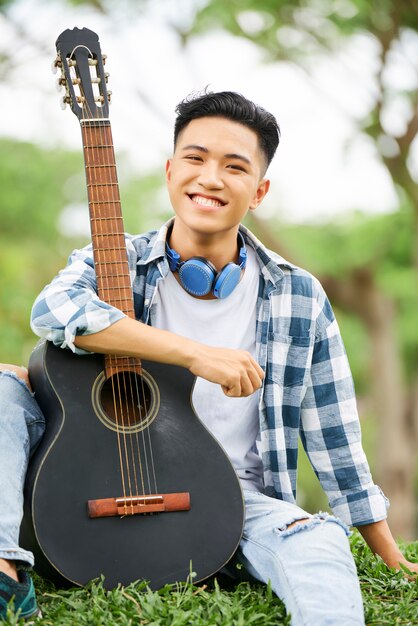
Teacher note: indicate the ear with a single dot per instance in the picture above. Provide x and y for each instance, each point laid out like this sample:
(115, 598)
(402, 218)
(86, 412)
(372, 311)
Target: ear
(262, 189)
(168, 170)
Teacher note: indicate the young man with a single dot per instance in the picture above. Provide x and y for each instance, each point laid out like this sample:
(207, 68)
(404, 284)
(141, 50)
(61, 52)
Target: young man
(272, 366)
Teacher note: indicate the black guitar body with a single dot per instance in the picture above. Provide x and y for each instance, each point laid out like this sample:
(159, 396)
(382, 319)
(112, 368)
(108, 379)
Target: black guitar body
(78, 460)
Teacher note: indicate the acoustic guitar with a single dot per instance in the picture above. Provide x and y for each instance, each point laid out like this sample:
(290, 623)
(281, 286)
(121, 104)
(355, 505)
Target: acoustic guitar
(127, 482)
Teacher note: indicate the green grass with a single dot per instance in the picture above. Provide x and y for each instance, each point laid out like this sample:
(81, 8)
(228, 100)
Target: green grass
(389, 598)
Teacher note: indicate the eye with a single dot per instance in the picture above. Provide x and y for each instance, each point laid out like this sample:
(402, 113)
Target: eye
(239, 168)
(193, 157)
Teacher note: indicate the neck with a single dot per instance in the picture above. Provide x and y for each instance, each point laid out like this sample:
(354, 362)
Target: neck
(218, 248)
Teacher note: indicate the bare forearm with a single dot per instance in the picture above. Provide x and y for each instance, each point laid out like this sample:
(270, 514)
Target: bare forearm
(380, 540)
(131, 338)
(235, 370)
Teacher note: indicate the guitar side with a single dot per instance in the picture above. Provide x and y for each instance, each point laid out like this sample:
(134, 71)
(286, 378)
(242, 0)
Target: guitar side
(78, 461)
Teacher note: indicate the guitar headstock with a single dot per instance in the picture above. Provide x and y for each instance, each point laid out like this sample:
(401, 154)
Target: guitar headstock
(82, 73)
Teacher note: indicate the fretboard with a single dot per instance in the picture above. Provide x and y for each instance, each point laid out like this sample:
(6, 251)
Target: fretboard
(110, 256)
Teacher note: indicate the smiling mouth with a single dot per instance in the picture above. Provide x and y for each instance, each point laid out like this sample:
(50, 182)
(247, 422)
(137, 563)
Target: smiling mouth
(206, 202)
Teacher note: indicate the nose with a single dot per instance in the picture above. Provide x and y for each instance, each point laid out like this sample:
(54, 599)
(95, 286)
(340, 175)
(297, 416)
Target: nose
(210, 176)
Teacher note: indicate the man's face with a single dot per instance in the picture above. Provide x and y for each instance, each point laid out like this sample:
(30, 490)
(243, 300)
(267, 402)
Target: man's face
(214, 177)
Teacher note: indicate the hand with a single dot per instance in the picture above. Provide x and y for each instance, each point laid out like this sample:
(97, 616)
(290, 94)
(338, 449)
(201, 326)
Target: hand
(413, 567)
(380, 540)
(236, 371)
(21, 372)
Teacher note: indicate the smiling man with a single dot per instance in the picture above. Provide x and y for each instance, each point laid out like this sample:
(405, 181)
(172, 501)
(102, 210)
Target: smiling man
(261, 338)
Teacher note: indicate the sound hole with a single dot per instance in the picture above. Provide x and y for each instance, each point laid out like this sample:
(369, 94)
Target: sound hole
(126, 401)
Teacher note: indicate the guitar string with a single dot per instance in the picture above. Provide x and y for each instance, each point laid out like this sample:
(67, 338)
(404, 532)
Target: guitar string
(95, 181)
(121, 408)
(126, 377)
(105, 135)
(123, 376)
(142, 407)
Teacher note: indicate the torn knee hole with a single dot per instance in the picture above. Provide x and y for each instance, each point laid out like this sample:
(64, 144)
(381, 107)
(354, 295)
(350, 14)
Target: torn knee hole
(299, 521)
(294, 526)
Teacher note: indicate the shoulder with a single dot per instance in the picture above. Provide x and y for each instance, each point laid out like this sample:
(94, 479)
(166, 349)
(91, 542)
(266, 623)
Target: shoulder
(282, 273)
(141, 243)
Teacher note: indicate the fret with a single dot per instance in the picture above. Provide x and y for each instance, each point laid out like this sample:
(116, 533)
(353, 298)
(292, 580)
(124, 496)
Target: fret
(114, 288)
(108, 234)
(114, 300)
(115, 248)
(95, 197)
(94, 146)
(98, 166)
(122, 292)
(118, 275)
(118, 288)
(102, 184)
(100, 158)
(104, 201)
(105, 219)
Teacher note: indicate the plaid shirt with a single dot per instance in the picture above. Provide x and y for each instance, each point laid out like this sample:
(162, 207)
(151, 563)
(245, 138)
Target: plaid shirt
(307, 390)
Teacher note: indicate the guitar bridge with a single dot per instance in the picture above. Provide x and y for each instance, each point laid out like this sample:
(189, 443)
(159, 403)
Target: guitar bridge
(139, 505)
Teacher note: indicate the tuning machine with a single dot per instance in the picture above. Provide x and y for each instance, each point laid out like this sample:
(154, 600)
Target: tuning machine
(61, 82)
(64, 101)
(56, 63)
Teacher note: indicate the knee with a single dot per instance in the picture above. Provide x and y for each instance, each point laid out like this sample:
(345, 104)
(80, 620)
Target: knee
(15, 371)
(327, 524)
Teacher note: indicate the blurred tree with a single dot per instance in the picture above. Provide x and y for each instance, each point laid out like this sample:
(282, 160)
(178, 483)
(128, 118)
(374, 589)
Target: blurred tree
(371, 287)
(33, 190)
(42, 199)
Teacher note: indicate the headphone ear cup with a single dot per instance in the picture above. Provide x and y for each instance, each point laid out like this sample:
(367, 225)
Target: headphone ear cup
(197, 276)
(226, 281)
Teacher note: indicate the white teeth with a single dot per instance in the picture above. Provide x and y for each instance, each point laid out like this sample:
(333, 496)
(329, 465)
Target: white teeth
(206, 201)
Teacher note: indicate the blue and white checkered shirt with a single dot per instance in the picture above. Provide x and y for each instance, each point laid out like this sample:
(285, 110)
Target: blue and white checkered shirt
(308, 388)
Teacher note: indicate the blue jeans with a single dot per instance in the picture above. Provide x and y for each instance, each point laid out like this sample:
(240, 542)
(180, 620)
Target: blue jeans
(21, 427)
(310, 565)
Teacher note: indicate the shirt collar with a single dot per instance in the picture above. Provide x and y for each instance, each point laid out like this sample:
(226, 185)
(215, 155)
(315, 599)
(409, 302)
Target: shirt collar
(156, 246)
(271, 264)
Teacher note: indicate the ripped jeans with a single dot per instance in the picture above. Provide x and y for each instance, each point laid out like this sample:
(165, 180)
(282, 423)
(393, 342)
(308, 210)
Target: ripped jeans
(310, 565)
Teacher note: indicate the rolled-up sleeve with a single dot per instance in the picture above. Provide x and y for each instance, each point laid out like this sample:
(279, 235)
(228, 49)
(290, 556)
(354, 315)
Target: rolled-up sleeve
(330, 429)
(69, 305)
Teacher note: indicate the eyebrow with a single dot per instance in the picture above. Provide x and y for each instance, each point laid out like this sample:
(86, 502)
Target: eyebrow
(231, 155)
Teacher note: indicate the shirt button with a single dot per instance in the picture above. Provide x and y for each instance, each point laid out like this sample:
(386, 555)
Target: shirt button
(146, 302)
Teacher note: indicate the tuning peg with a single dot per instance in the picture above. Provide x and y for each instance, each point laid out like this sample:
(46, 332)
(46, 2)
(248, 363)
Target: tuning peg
(64, 101)
(109, 96)
(56, 63)
(104, 57)
(60, 83)
(107, 77)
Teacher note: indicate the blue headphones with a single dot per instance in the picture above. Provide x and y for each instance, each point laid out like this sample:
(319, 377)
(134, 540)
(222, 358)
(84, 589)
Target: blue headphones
(198, 276)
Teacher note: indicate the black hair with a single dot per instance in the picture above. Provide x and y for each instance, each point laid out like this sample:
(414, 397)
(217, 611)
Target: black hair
(233, 106)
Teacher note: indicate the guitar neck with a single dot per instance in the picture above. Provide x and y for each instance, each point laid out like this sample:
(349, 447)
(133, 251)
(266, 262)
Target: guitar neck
(110, 256)
(109, 249)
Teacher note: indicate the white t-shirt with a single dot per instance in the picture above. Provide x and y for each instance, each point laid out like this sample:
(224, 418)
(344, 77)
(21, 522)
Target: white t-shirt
(228, 323)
